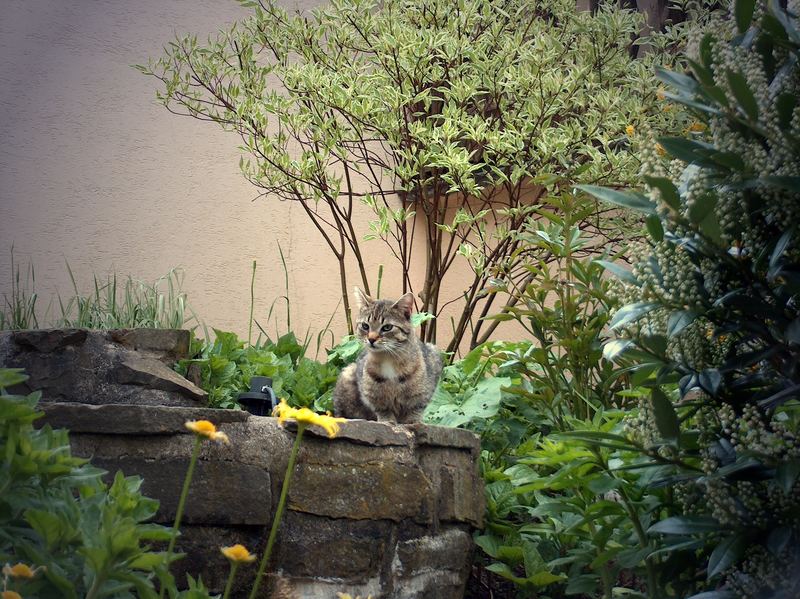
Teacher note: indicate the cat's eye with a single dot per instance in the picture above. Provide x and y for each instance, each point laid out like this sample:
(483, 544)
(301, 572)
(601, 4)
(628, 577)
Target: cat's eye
(365, 326)
(385, 328)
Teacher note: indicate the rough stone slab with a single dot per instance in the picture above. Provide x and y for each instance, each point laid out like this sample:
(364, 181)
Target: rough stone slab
(171, 345)
(324, 588)
(368, 432)
(444, 584)
(202, 544)
(348, 550)
(461, 496)
(131, 419)
(443, 436)
(448, 550)
(459, 488)
(338, 452)
(380, 491)
(153, 374)
(47, 341)
(222, 493)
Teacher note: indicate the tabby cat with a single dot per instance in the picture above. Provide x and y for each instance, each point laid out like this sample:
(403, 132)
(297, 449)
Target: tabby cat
(396, 373)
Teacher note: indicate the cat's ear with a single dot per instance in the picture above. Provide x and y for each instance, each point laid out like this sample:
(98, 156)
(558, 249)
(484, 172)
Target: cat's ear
(405, 304)
(362, 299)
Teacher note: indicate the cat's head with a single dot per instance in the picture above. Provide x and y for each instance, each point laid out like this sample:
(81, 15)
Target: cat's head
(384, 325)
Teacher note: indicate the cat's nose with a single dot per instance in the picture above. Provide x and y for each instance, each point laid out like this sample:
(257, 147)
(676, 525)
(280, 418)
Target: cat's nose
(372, 337)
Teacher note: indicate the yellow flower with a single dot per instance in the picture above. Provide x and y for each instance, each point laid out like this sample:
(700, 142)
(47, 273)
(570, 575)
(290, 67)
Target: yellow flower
(660, 94)
(204, 428)
(238, 553)
(349, 596)
(19, 571)
(283, 411)
(10, 595)
(696, 127)
(660, 150)
(630, 130)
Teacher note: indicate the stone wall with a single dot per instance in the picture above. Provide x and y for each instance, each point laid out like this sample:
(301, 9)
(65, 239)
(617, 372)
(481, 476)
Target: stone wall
(379, 510)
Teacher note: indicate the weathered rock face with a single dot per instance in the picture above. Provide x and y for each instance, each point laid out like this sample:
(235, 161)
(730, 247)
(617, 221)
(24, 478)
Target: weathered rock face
(102, 367)
(379, 510)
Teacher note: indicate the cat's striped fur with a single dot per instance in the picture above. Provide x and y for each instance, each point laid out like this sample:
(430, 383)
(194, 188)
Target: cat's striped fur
(396, 373)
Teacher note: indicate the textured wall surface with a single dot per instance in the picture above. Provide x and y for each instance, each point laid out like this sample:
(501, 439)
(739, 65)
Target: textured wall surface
(95, 172)
(380, 510)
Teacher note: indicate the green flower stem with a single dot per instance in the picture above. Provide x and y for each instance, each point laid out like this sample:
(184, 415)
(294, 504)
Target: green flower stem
(231, 576)
(273, 533)
(181, 503)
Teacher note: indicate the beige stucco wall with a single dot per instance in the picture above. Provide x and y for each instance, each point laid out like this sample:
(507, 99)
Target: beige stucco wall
(94, 171)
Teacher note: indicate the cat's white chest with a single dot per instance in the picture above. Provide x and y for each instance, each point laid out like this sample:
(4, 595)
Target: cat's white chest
(388, 370)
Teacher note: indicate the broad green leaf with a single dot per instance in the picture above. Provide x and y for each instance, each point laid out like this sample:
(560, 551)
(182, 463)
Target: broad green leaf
(634, 201)
(631, 313)
(743, 11)
(665, 416)
(679, 320)
(12, 376)
(785, 105)
(725, 554)
(686, 525)
(619, 271)
(786, 474)
(669, 193)
(653, 223)
(744, 96)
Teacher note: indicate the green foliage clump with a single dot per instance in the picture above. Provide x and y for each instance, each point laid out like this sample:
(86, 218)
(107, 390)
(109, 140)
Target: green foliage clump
(85, 538)
(450, 119)
(224, 368)
(715, 314)
(564, 516)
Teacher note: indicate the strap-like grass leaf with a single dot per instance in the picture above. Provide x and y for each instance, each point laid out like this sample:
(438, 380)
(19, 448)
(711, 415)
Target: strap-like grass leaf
(632, 200)
(744, 96)
(665, 416)
(743, 11)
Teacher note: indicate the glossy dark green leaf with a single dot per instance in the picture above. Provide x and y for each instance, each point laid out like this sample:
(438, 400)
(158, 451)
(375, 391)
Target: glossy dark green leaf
(779, 250)
(777, 11)
(786, 474)
(702, 207)
(714, 595)
(743, 94)
(725, 554)
(787, 183)
(743, 12)
(710, 380)
(706, 55)
(619, 271)
(676, 80)
(665, 416)
(785, 105)
(634, 201)
(653, 224)
(631, 313)
(669, 193)
(679, 320)
(685, 525)
(778, 539)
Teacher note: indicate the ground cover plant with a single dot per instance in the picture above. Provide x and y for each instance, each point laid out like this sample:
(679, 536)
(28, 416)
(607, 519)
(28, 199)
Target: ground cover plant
(448, 121)
(68, 534)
